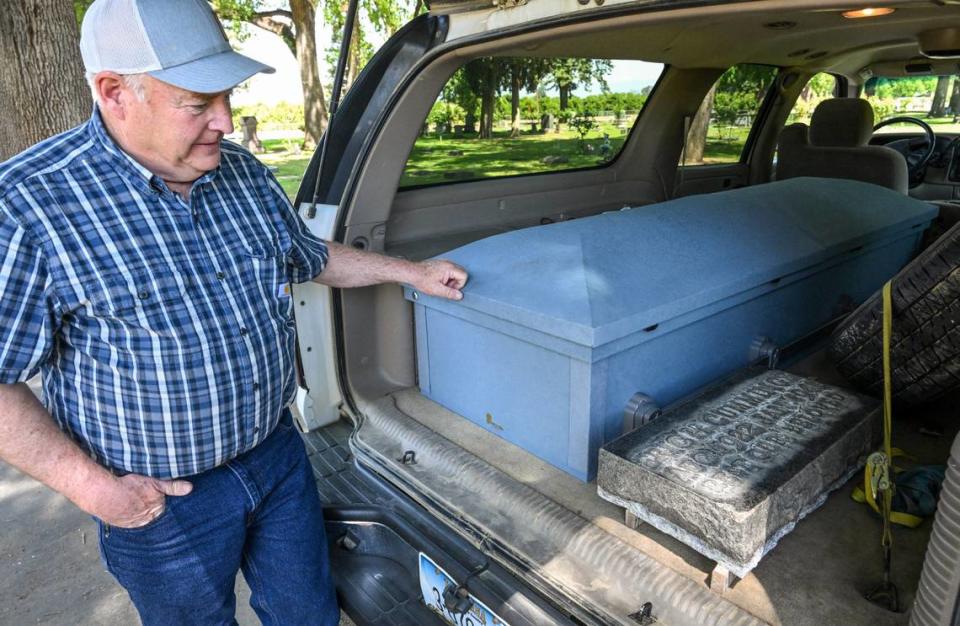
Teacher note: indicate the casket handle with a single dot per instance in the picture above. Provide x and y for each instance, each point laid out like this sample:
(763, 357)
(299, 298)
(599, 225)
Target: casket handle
(641, 409)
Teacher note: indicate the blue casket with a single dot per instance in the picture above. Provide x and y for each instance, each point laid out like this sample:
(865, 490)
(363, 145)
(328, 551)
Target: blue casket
(560, 325)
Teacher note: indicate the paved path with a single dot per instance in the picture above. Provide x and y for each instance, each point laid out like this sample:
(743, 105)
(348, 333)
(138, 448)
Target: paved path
(50, 570)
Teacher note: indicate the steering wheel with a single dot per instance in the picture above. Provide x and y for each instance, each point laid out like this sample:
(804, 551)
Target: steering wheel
(916, 150)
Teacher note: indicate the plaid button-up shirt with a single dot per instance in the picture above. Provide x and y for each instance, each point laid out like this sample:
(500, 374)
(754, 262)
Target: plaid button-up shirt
(163, 329)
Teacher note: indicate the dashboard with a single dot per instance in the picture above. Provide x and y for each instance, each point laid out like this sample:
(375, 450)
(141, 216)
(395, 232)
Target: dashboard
(940, 178)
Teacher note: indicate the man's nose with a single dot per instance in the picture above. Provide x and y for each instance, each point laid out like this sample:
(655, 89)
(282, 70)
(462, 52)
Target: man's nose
(222, 120)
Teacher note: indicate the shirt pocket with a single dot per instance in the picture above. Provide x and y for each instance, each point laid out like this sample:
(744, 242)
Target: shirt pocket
(268, 269)
(120, 295)
(146, 315)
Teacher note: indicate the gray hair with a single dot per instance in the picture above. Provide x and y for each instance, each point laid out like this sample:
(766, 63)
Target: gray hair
(134, 83)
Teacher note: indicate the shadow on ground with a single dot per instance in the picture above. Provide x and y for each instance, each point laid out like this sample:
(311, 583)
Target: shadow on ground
(50, 569)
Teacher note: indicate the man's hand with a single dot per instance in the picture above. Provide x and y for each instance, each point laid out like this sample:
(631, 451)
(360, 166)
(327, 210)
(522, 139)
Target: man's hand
(31, 441)
(347, 267)
(440, 278)
(132, 501)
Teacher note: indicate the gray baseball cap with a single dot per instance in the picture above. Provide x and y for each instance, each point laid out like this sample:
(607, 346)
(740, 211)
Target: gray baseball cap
(180, 42)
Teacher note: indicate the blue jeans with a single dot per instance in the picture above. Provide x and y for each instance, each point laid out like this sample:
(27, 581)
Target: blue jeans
(260, 513)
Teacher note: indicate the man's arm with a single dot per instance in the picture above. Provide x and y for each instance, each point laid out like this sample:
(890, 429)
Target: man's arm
(347, 267)
(32, 442)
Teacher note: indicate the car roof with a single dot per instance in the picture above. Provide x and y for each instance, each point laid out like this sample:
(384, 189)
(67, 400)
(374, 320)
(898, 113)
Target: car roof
(812, 35)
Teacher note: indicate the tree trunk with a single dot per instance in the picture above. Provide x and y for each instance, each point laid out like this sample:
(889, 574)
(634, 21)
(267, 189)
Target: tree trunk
(353, 62)
(564, 97)
(697, 135)
(939, 106)
(515, 102)
(955, 100)
(314, 104)
(486, 112)
(42, 90)
(490, 78)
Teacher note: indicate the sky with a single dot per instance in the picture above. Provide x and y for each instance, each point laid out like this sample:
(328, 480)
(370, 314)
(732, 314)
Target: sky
(628, 76)
(284, 85)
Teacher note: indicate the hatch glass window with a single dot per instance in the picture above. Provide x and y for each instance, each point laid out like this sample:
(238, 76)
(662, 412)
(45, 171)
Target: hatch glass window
(509, 116)
(719, 131)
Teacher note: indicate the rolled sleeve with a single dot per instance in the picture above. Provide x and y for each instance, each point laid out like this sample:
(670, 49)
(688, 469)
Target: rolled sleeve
(28, 317)
(308, 253)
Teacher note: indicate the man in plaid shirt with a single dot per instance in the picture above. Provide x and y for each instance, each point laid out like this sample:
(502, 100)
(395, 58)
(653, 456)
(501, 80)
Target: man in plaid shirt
(145, 274)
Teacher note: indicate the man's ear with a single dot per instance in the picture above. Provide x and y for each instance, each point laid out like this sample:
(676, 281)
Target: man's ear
(113, 94)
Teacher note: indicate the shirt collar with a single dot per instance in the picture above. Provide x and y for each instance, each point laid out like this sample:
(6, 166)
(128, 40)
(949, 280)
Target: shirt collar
(99, 132)
(127, 163)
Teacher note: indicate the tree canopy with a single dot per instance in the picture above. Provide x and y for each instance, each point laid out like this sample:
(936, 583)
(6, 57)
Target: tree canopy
(294, 22)
(474, 91)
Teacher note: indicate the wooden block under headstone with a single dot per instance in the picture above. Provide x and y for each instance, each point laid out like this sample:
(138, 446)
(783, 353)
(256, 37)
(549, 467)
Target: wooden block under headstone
(731, 470)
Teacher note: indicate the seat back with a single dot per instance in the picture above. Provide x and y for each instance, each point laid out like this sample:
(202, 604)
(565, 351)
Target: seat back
(835, 146)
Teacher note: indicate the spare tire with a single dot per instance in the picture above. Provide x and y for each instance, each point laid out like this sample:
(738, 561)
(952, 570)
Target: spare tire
(925, 346)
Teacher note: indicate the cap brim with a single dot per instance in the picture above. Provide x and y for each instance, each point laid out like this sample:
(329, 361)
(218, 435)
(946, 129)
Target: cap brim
(212, 74)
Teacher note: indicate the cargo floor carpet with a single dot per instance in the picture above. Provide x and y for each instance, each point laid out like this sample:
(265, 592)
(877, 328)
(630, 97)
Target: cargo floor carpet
(817, 574)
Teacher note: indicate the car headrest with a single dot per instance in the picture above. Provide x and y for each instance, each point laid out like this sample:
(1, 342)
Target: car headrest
(841, 123)
(794, 135)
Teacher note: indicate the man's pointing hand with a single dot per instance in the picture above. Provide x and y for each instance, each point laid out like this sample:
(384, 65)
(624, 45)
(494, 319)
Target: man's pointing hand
(441, 278)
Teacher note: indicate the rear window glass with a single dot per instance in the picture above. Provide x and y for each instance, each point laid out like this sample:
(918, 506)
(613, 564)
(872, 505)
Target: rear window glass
(719, 130)
(507, 116)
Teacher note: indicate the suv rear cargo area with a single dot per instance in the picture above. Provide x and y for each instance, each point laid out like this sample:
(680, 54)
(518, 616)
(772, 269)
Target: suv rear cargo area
(559, 528)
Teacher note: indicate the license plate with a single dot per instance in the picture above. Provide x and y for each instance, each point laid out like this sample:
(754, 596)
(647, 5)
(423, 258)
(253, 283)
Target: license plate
(433, 581)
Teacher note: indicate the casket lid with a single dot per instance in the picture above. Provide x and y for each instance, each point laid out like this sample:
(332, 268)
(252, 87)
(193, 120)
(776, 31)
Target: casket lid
(597, 279)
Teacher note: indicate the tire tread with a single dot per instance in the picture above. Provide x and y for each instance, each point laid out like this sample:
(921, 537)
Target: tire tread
(925, 346)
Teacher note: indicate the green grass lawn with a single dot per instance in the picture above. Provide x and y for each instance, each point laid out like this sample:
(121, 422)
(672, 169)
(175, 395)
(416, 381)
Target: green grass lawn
(444, 159)
(439, 159)
(723, 145)
(290, 162)
(940, 124)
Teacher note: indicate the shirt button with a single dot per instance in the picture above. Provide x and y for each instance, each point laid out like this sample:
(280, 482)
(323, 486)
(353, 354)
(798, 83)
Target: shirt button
(256, 429)
(243, 330)
(144, 294)
(221, 275)
(256, 386)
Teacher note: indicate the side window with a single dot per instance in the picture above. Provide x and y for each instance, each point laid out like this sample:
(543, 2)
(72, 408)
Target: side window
(819, 88)
(508, 116)
(719, 130)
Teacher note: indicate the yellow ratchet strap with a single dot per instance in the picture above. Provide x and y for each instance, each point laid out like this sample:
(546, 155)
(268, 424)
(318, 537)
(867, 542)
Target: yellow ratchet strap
(878, 475)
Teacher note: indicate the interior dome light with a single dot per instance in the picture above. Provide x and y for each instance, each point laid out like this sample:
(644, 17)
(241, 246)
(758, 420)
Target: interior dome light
(868, 12)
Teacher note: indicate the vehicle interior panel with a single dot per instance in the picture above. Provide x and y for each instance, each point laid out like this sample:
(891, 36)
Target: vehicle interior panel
(805, 560)
(820, 571)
